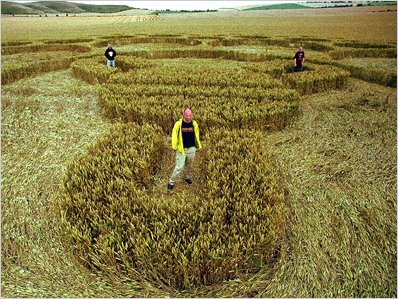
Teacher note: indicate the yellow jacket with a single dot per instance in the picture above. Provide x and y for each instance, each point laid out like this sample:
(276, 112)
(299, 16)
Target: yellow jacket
(176, 136)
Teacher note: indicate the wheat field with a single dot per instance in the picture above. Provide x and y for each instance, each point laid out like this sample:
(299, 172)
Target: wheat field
(294, 191)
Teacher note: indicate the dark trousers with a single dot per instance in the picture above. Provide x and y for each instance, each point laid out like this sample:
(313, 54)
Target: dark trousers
(298, 68)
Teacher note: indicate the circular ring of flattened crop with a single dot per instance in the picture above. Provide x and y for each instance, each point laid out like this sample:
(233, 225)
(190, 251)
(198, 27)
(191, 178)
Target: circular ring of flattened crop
(115, 219)
(313, 78)
(230, 97)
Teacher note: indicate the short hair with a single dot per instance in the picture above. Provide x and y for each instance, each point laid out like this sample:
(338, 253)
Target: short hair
(186, 108)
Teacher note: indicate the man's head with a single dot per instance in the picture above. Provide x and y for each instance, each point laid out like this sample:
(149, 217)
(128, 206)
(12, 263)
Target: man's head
(187, 115)
(109, 46)
(300, 48)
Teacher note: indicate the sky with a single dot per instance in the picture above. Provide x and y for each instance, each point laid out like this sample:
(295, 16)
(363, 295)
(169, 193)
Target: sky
(178, 5)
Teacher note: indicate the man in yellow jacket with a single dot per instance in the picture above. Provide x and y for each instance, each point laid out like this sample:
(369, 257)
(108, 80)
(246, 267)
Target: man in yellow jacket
(185, 140)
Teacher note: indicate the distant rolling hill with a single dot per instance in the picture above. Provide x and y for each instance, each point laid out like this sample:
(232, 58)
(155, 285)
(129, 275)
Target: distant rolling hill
(278, 6)
(58, 6)
(9, 8)
(54, 7)
(38, 7)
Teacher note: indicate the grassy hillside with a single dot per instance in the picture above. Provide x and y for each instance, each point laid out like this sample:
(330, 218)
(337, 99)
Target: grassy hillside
(103, 8)
(58, 7)
(10, 8)
(41, 8)
(383, 3)
(278, 6)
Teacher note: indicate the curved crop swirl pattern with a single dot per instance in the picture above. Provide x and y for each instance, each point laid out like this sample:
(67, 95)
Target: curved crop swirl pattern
(115, 217)
(116, 222)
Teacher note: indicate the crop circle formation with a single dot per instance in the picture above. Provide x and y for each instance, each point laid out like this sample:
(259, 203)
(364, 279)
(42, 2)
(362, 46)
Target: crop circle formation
(116, 219)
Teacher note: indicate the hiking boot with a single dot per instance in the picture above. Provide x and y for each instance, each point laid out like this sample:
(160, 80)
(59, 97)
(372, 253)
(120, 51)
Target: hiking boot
(170, 187)
(188, 181)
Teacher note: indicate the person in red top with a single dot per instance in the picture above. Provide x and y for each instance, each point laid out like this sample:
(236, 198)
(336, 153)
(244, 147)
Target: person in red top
(299, 60)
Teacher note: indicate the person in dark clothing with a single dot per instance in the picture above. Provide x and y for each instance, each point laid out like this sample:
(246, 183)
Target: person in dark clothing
(185, 141)
(299, 60)
(110, 55)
